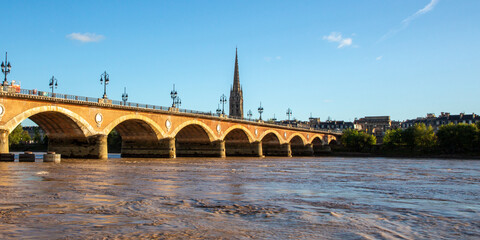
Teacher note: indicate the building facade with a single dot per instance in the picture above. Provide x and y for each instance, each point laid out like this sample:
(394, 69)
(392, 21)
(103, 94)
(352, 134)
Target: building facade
(236, 93)
(444, 119)
(376, 125)
(330, 125)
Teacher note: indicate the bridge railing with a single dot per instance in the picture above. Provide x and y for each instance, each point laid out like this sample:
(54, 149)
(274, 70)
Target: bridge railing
(141, 105)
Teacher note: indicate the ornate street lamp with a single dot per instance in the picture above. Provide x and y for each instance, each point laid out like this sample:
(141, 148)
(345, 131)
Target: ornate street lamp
(6, 70)
(274, 118)
(219, 111)
(125, 96)
(260, 110)
(289, 113)
(223, 100)
(249, 114)
(53, 83)
(173, 95)
(104, 79)
(178, 102)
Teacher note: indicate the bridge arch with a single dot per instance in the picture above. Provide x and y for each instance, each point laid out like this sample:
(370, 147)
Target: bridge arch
(194, 138)
(239, 128)
(279, 137)
(297, 135)
(317, 138)
(135, 125)
(52, 119)
(192, 123)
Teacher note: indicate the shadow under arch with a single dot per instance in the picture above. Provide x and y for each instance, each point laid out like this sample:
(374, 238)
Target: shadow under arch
(319, 146)
(195, 139)
(140, 137)
(68, 133)
(272, 145)
(240, 142)
(54, 120)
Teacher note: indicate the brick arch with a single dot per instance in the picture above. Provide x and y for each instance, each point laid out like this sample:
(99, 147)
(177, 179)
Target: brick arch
(250, 136)
(208, 131)
(80, 125)
(304, 140)
(279, 136)
(157, 130)
(320, 137)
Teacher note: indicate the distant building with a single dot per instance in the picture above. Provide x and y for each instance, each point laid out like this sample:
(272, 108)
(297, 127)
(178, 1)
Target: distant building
(444, 119)
(376, 125)
(333, 125)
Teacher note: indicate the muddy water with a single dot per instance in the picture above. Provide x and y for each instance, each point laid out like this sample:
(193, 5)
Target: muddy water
(241, 198)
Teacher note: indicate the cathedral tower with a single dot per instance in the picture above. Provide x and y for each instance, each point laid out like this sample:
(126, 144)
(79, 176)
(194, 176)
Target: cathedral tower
(236, 93)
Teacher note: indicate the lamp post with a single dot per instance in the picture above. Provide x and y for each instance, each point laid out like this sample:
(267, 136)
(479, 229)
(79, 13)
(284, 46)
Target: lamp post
(223, 100)
(178, 102)
(260, 110)
(53, 83)
(249, 114)
(104, 79)
(219, 111)
(173, 95)
(6, 70)
(274, 118)
(289, 113)
(125, 96)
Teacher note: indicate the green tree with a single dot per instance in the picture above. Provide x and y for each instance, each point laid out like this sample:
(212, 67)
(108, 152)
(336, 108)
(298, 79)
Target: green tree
(18, 135)
(357, 141)
(36, 137)
(114, 141)
(394, 138)
(424, 137)
(459, 138)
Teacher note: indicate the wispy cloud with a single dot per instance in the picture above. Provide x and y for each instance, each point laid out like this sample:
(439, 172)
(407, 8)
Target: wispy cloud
(337, 38)
(379, 58)
(405, 22)
(85, 37)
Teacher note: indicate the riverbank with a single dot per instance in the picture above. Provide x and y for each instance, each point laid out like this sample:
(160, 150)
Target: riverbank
(402, 155)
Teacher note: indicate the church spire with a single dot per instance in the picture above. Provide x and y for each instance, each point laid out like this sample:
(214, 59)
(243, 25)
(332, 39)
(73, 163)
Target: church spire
(236, 93)
(236, 75)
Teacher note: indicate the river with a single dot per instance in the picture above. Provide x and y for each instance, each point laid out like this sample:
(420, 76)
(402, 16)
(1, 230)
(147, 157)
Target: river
(241, 198)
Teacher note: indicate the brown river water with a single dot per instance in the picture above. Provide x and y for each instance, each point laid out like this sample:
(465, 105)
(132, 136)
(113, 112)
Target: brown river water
(241, 198)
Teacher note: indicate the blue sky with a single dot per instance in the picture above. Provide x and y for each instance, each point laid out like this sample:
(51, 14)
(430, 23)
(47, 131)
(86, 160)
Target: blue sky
(338, 59)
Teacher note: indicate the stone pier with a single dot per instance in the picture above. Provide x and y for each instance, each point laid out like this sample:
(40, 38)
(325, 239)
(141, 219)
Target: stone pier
(302, 150)
(92, 147)
(281, 150)
(147, 148)
(200, 149)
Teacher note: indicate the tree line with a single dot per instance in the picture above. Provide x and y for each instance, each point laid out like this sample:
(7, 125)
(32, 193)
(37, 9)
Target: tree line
(419, 139)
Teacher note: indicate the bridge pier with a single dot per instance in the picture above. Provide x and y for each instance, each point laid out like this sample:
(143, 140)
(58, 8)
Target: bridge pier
(281, 150)
(253, 149)
(321, 149)
(148, 148)
(4, 141)
(91, 147)
(302, 150)
(200, 149)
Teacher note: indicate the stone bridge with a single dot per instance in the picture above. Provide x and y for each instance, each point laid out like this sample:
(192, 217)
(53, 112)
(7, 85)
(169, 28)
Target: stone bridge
(78, 127)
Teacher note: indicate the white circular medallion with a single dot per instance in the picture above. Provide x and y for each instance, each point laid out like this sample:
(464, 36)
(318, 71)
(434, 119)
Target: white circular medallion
(285, 134)
(98, 118)
(256, 132)
(168, 124)
(308, 136)
(219, 128)
(2, 110)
